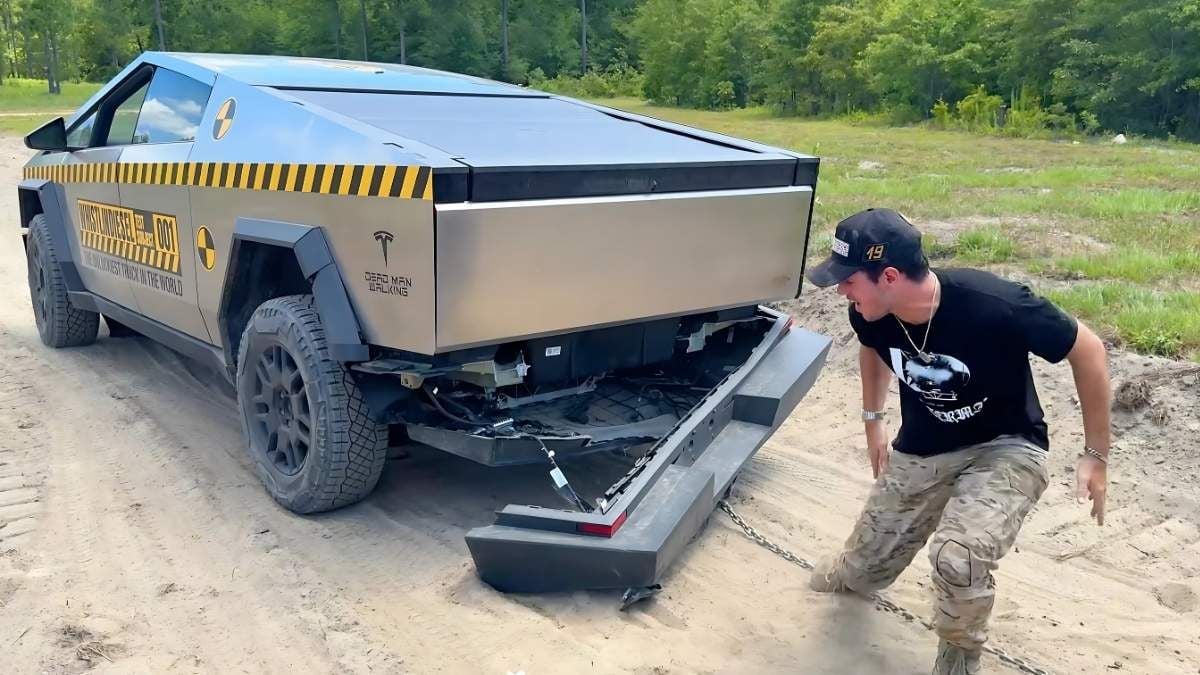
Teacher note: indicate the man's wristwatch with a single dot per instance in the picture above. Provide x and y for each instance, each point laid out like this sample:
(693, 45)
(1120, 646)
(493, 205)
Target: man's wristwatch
(1089, 451)
(872, 415)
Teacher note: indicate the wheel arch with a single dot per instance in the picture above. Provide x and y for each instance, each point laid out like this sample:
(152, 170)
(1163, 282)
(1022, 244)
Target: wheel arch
(270, 259)
(29, 199)
(40, 197)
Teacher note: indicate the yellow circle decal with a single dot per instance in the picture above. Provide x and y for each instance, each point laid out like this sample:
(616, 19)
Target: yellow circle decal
(224, 119)
(205, 248)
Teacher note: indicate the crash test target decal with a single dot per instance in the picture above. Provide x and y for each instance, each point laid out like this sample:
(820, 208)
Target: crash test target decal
(224, 119)
(139, 246)
(205, 248)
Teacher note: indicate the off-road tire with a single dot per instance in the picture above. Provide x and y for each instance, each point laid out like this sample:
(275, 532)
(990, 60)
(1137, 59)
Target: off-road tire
(346, 450)
(59, 323)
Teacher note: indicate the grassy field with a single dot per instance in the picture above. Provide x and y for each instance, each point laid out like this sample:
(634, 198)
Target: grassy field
(1111, 232)
(24, 104)
(19, 95)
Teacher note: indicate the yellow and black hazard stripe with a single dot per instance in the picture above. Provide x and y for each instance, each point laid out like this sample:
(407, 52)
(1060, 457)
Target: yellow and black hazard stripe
(151, 239)
(164, 260)
(362, 180)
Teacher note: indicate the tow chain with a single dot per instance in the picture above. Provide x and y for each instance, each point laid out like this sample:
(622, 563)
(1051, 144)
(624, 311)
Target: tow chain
(880, 601)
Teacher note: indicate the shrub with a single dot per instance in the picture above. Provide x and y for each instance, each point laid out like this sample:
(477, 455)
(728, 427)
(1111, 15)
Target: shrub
(982, 112)
(977, 110)
(616, 81)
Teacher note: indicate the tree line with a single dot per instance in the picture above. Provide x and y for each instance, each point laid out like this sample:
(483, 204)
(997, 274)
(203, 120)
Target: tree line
(1121, 65)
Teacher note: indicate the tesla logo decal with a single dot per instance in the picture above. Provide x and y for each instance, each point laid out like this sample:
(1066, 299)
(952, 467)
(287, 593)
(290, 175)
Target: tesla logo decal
(384, 238)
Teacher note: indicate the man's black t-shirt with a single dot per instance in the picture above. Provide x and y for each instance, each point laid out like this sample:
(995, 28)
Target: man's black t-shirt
(976, 384)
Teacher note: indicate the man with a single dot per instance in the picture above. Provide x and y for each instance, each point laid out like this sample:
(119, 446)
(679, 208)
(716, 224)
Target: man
(969, 461)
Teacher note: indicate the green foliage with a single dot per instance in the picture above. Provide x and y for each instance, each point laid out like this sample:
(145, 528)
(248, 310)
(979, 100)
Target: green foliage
(1057, 67)
(617, 81)
(701, 52)
(943, 116)
(980, 111)
(96, 38)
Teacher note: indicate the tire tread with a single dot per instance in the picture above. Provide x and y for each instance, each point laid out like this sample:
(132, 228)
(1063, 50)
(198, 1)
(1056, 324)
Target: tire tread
(67, 325)
(357, 445)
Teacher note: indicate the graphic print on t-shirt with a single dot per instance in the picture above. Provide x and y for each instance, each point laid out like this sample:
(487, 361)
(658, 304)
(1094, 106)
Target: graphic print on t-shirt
(939, 381)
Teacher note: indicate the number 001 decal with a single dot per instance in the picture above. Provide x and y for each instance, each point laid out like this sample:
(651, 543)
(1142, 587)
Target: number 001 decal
(150, 240)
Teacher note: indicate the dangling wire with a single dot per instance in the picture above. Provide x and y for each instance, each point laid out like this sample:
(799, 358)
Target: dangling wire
(561, 485)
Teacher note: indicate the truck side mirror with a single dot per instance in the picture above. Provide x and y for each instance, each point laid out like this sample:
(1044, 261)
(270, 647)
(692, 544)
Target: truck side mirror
(50, 136)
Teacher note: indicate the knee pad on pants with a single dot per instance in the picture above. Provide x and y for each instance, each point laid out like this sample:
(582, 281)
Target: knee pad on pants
(957, 565)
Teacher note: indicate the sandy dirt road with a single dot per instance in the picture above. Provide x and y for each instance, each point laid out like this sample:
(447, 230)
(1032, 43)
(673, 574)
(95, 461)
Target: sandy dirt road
(134, 538)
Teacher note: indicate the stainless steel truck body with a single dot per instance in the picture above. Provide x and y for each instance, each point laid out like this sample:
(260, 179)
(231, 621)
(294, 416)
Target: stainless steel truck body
(375, 252)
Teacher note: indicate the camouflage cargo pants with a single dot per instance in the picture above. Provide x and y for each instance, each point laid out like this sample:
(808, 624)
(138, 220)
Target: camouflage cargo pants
(972, 501)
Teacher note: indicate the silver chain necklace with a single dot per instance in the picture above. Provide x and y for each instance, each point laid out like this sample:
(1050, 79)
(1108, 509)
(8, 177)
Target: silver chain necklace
(921, 353)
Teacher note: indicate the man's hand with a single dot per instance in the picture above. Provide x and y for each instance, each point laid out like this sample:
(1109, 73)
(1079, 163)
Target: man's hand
(877, 447)
(1089, 365)
(1091, 481)
(875, 380)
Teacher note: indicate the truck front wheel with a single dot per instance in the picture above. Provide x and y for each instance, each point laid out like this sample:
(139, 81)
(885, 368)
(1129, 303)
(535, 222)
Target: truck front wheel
(306, 423)
(59, 324)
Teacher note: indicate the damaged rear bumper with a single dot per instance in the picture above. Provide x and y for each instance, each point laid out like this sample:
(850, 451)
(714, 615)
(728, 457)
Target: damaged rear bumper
(668, 495)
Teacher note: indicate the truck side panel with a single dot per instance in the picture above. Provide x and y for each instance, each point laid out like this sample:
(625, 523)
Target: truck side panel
(262, 166)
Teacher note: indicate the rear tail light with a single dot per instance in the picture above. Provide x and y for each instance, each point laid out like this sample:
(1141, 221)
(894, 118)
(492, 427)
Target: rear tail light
(599, 530)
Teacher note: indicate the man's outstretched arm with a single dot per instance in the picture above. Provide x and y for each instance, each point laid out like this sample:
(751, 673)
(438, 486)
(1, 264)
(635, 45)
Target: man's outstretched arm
(875, 380)
(1089, 364)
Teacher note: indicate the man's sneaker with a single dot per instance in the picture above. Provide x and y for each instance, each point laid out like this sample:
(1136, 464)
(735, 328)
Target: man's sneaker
(954, 660)
(825, 578)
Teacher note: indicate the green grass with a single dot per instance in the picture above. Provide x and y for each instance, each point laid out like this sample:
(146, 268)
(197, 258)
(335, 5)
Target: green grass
(20, 95)
(1147, 321)
(1133, 265)
(984, 245)
(19, 125)
(1120, 223)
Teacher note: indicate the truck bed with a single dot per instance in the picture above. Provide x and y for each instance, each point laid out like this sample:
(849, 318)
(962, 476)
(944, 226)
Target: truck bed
(538, 146)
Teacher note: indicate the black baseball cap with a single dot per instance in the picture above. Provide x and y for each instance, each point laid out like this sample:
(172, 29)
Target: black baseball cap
(870, 239)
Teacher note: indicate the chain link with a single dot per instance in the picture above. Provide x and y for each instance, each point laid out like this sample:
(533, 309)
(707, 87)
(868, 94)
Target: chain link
(880, 601)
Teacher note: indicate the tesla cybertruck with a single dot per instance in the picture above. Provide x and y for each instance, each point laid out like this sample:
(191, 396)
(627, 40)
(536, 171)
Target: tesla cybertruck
(377, 254)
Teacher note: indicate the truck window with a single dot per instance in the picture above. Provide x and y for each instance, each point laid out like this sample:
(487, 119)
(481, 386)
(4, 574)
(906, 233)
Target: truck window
(172, 109)
(81, 135)
(124, 119)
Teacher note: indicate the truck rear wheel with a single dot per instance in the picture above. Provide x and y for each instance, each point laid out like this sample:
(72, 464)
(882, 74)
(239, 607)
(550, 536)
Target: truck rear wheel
(59, 324)
(306, 423)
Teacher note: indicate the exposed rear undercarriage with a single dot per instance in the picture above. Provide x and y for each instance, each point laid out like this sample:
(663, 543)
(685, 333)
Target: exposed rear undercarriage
(504, 411)
(616, 407)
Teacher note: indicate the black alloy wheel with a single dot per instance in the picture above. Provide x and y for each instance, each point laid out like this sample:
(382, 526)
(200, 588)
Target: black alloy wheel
(308, 429)
(282, 413)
